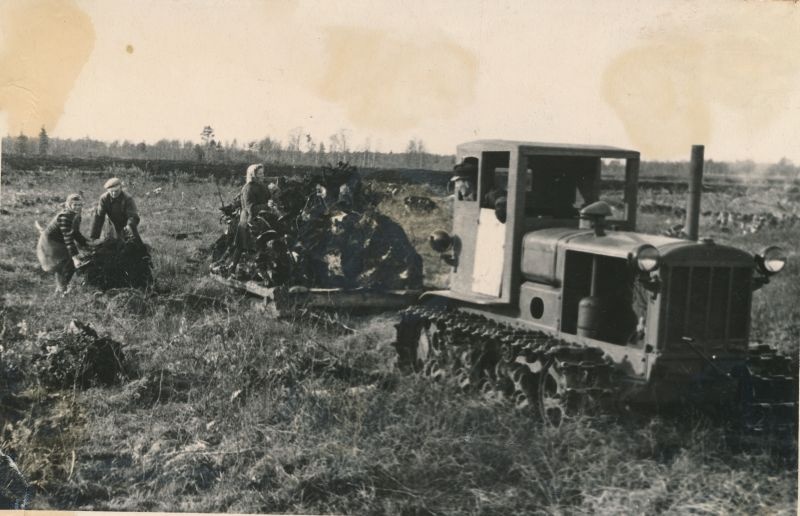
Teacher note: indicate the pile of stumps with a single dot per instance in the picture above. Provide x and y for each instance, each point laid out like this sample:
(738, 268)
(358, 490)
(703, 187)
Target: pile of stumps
(321, 231)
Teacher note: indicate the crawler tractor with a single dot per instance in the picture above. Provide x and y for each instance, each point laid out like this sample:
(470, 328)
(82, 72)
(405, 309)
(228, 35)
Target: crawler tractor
(558, 304)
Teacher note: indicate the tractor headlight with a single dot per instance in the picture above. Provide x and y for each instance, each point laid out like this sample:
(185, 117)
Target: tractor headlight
(772, 259)
(440, 241)
(647, 258)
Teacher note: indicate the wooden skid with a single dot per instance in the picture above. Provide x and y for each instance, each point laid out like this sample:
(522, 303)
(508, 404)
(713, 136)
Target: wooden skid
(325, 298)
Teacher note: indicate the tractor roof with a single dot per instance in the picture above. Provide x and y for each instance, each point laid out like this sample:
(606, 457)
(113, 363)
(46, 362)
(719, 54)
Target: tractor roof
(552, 149)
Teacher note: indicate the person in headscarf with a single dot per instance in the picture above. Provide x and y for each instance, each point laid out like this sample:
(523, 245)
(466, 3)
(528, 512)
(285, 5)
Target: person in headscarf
(254, 197)
(120, 209)
(57, 248)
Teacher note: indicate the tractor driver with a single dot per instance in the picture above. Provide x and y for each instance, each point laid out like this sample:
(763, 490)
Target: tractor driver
(465, 179)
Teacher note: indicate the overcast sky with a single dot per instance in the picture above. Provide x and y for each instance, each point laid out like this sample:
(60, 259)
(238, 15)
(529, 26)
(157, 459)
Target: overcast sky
(654, 76)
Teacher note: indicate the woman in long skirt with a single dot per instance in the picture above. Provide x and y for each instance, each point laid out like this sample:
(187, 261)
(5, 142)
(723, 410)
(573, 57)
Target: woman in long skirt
(57, 249)
(254, 198)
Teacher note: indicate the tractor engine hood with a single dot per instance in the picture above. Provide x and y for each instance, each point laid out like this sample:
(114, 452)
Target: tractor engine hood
(540, 250)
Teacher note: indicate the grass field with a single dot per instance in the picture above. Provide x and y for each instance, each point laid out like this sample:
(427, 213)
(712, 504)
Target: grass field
(226, 410)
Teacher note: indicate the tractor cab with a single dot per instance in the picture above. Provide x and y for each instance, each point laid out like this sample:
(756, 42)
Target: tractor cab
(520, 187)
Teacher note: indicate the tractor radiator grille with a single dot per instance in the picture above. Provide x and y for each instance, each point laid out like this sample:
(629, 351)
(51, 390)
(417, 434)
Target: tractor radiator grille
(709, 304)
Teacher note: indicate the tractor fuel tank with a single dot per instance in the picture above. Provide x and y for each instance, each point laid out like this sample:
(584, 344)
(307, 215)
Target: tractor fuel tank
(539, 253)
(590, 317)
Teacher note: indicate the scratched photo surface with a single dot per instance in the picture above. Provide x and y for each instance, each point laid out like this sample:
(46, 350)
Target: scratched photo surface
(215, 216)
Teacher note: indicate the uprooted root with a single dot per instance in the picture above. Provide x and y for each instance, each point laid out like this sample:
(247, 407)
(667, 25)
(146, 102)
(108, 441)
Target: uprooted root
(78, 357)
(118, 263)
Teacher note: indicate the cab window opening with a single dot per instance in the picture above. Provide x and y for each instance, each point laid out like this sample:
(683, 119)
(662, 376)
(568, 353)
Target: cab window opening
(560, 186)
(494, 182)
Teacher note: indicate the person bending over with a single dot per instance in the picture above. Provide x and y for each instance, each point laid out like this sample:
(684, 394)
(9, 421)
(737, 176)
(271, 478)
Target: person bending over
(57, 248)
(120, 209)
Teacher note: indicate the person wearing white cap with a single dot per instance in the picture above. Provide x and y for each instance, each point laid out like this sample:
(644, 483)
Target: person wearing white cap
(120, 209)
(57, 248)
(255, 197)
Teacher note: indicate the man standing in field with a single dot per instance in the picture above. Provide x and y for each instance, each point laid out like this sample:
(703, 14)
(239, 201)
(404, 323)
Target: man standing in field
(120, 209)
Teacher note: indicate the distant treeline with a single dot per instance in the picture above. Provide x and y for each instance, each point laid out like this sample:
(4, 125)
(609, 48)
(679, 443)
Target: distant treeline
(225, 172)
(213, 152)
(739, 170)
(302, 154)
(672, 176)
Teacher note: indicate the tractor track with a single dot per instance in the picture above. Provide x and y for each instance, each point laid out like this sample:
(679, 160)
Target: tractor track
(531, 369)
(769, 392)
(556, 379)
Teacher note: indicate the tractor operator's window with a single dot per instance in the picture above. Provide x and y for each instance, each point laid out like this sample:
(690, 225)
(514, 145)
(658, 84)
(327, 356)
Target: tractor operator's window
(497, 189)
(552, 193)
(554, 186)
(587, 188)
(559, 186)
(613, 173)
(494, 179)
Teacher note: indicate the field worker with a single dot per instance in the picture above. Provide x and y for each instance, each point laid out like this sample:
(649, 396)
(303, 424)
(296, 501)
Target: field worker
(120, 210)
(255, 197)
(57, 249)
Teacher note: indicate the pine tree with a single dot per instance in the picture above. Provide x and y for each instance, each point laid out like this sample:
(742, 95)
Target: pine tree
(44, 142)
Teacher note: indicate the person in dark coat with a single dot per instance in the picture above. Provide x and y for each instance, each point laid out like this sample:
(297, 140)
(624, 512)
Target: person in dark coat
(254, 197)
(120, 209)
(57, 248)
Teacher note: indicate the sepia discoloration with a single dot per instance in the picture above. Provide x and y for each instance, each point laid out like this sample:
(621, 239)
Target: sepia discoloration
(743, 60)
(385, 82)
(653, 91)
(45, 45)
(277, 10)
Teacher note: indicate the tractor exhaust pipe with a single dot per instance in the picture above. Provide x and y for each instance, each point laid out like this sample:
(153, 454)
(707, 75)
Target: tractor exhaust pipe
(695, 189)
